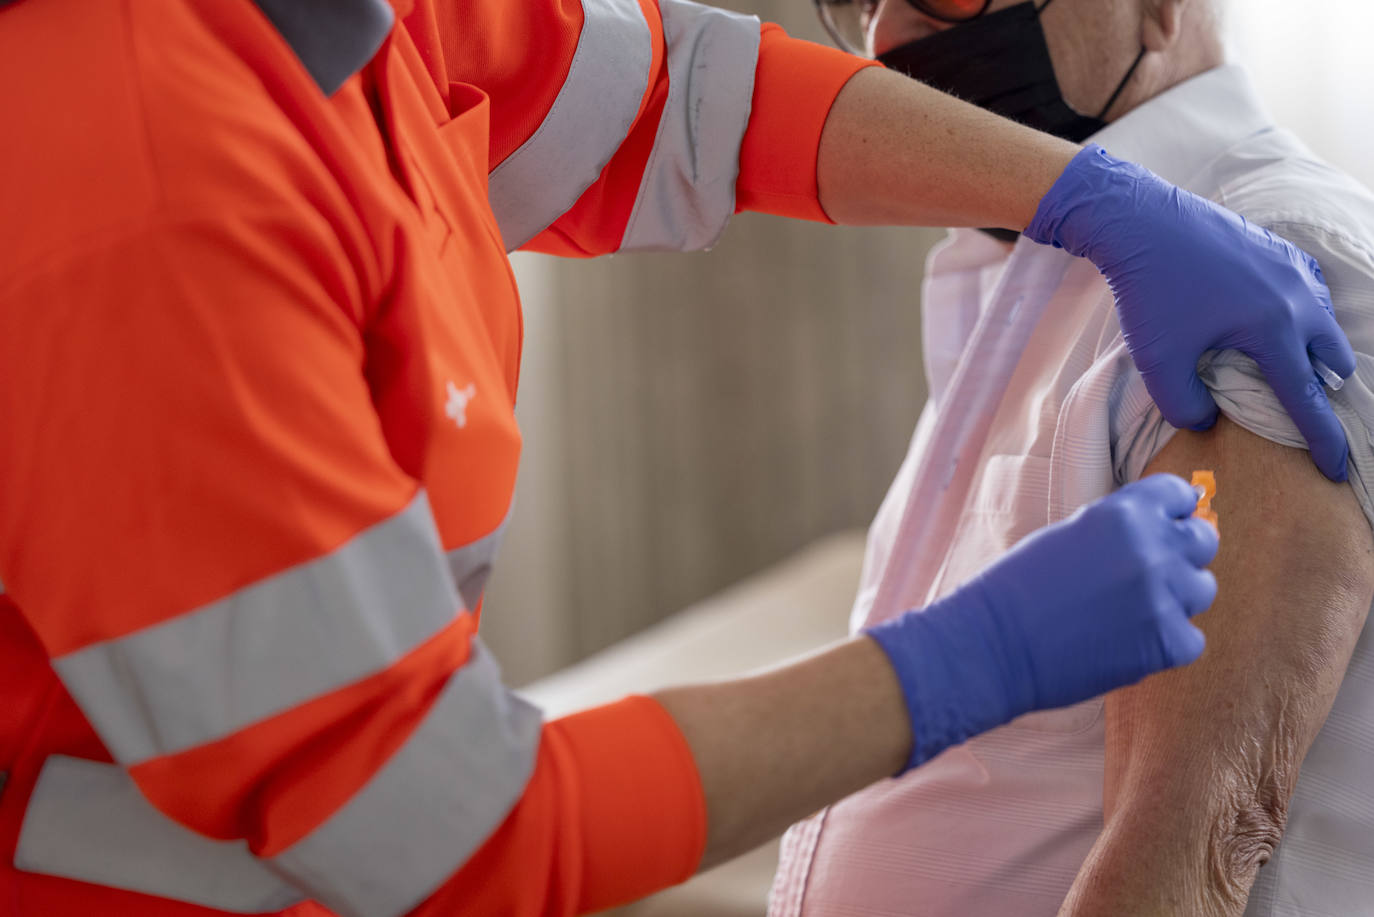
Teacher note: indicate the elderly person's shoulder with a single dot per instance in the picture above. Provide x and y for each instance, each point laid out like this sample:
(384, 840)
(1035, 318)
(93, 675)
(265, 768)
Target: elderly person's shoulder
(1273, 179)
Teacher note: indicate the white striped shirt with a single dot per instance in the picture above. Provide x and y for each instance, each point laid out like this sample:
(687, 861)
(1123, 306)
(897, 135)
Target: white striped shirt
(1035, 409)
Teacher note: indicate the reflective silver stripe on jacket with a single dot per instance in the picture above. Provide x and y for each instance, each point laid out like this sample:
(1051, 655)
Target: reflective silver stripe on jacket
(588, 121)
(430, 807)
(471, 564)
(87, 821)
(269, 647)
(419, 818)
(688, 190)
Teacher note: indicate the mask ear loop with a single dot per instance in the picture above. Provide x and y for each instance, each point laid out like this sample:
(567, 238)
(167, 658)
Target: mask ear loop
(1121, 86)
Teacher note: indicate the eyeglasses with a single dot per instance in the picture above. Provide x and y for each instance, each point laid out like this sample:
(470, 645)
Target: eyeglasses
(848, 21)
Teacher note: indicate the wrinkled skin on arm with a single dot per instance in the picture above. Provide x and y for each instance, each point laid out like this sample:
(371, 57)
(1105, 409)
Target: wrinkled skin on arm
(1202, 761)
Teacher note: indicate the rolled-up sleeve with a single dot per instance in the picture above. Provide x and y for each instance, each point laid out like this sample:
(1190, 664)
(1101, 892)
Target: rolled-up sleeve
(794, 89)
(1241, 391)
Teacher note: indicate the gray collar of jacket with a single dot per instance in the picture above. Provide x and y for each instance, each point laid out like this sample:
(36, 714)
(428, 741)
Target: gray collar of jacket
(334, 39)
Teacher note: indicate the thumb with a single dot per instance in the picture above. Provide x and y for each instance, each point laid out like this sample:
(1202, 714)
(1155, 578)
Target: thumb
(1184, 401)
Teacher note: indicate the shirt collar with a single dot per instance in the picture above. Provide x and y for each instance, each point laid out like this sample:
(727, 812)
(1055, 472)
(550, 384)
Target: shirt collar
(1179, 132)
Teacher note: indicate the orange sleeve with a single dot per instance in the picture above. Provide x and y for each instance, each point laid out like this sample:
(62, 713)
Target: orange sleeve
(795, 85)
(614, 812)
(794, 88)
(729, 117)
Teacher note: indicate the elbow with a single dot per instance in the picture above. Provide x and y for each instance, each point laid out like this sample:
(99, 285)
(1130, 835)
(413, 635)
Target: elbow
(1250, 822)
(1240, 846)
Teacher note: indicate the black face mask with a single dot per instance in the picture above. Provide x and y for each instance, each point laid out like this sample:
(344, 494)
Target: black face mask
(1001, 62)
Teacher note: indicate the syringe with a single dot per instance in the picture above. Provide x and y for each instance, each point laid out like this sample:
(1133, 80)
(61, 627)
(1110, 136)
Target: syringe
(1332, 378)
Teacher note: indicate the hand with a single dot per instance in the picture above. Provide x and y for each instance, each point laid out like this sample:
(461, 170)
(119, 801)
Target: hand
(1076, 609)
(1190, 276)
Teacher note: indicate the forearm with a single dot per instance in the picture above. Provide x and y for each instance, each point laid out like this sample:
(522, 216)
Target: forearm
(774, 747)
(896, 152)
(1201, 762)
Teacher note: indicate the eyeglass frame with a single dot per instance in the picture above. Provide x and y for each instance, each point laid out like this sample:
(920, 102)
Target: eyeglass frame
(917, 5)
(920, 7)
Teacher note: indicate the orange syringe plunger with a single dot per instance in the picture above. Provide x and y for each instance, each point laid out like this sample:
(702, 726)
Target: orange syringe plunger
(1205, 483)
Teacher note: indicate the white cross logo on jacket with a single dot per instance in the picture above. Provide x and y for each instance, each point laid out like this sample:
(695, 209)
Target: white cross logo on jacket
(457, 407)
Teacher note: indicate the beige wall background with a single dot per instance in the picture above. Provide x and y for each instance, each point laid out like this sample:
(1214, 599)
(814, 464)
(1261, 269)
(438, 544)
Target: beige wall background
(1311, 62)
(690, 419)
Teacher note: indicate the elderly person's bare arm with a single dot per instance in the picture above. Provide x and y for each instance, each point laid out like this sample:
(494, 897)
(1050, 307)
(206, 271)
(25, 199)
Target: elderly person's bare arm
(1201, 762)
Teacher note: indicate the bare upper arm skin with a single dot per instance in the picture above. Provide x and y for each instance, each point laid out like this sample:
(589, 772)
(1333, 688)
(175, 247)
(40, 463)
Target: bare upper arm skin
(1201, 761)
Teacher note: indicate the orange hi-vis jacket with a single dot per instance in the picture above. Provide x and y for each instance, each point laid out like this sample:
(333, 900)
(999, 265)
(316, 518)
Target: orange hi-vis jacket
(259, 342)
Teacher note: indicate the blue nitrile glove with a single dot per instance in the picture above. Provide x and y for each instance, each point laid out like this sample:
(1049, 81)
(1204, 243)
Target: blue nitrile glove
(1074, 610)
(1190, 276)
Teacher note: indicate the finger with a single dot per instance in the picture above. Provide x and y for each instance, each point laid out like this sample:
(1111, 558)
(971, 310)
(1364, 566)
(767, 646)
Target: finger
(1328, 343)
(1171, 493)
(1195, 589)
(1197, 541)
(1333, 348)
(1182, 642)
(1184, 401)
(1302, 396)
